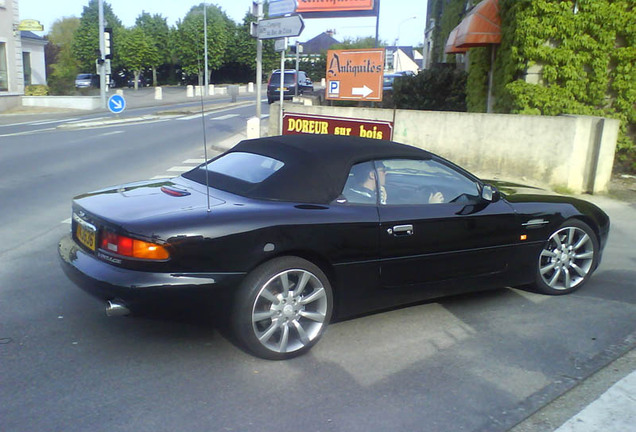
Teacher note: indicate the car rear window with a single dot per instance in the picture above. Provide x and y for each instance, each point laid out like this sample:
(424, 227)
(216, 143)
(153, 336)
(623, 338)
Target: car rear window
(248, 167)
(84, 76)
(290, 78)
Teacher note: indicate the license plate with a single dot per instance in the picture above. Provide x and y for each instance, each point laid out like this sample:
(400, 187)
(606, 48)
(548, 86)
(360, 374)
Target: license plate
(284, 89)
(86, 234)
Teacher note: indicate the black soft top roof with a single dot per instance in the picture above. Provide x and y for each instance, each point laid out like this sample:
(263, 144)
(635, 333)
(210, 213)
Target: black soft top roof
(316, 166)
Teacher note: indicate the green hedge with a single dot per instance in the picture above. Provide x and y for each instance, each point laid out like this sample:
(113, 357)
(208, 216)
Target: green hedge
(586, 53)
(36, 90)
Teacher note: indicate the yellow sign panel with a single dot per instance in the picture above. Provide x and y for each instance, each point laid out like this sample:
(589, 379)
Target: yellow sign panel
(30, 25)
(333, 6)
(355, 74)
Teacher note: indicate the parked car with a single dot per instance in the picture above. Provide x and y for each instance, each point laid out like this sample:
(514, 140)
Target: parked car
(287, 232)
(389, 79)
(290, 82)
(86, 80)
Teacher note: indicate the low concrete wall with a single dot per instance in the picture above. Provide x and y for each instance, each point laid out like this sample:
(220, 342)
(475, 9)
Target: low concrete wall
(565, 152)
(9, 101)
(74, 102)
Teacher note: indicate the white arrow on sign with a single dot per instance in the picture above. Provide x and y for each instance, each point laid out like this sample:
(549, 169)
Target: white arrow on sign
(361, 91)
(116, 104)
(289, 26)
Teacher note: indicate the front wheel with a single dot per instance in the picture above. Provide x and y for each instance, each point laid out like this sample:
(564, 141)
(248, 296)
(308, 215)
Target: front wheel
(282, 308)
(568, 259)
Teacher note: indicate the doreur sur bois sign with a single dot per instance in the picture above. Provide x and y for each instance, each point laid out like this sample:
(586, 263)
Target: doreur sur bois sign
(294, 124)
(355, 74)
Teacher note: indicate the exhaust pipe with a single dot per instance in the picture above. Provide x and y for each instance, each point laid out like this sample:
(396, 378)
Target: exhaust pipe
(115, 308)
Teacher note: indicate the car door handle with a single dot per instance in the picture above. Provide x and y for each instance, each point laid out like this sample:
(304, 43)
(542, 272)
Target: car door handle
(401, 230)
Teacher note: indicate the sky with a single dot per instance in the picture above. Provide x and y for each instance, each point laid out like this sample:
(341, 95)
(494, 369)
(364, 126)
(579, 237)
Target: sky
(398, 18)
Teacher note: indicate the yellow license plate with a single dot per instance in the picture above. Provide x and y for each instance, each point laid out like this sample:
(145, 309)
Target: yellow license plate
(284, 89)
(86, 235)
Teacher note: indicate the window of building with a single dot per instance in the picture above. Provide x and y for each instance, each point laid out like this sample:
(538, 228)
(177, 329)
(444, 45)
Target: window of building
(26, 65)
(4, 73)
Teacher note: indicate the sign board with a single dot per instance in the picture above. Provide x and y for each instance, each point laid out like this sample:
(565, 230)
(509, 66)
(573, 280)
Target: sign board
(289, 26)
(116, 104)
(281, 7)
(355, 74)
(339, 8)
(280, 45)
(30, 25)
(295, 124)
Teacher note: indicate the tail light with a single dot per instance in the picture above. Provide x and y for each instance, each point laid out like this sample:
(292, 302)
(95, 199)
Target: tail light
(129, 247)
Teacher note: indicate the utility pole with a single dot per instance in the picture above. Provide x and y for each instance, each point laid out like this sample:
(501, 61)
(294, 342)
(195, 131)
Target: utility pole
(206, 80)
(100, 60)
(257, 10)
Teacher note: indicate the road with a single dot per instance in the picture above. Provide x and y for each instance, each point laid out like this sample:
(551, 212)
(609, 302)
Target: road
(477, 362)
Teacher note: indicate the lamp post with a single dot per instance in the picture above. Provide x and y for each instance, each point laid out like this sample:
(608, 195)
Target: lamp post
(400, 28)
(205, 48)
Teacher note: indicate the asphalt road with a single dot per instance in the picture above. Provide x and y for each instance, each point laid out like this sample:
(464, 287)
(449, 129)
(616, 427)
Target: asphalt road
(477, 362)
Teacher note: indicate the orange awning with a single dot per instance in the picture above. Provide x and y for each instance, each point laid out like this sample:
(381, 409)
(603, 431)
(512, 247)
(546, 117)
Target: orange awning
(450, 47)
(481, 27)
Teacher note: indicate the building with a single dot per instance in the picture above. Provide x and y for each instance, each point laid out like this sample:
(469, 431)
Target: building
(402, 59)
(33, 64)
(11, 75)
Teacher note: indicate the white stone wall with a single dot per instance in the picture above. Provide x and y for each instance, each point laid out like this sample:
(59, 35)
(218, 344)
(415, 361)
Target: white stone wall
(572, 152)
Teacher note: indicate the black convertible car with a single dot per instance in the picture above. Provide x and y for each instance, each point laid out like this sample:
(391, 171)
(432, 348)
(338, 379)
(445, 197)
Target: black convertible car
(286, 232)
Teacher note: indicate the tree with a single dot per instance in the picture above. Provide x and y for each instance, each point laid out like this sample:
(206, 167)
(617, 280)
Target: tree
(240, 55)
(156, 29)
(85, 45)
(63, 66)
(137, 51)
(189, 42)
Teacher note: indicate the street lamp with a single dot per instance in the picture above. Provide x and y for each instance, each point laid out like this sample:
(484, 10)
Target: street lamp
(400, 27)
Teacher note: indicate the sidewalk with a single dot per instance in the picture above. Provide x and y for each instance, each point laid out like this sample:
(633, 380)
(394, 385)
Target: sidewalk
(603, 402)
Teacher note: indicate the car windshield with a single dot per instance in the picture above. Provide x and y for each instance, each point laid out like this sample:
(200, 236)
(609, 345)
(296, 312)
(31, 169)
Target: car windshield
(248, 167)
(83, 76)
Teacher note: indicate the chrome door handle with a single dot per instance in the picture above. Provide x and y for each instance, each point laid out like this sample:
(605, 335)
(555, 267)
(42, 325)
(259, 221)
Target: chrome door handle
(401, 230)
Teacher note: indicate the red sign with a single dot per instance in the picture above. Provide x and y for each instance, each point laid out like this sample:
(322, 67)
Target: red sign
(294, 124)
(333, 5)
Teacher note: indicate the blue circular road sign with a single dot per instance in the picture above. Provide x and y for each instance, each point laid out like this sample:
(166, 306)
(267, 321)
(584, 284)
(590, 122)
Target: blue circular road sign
(116, 103)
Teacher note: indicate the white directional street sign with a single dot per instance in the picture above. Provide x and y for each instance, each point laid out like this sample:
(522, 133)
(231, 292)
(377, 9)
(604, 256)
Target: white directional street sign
(289, 26)
(281, 7)
(116, 104)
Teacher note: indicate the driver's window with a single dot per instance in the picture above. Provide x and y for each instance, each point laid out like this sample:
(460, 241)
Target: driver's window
(415, 182)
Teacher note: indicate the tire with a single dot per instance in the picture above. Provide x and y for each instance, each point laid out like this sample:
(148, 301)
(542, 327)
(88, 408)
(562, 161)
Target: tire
(274, 321)
(270, 101)
(568, 259)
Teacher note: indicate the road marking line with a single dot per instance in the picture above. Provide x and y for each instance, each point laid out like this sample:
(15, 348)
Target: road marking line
(110, 133)
(27, 132)
(179, 169)
(66, 221)
(225, 117)
(52, 121)
(190, 117)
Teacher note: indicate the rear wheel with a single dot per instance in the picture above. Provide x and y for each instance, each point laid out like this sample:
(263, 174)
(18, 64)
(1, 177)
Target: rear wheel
(282, 308)
(568, 259)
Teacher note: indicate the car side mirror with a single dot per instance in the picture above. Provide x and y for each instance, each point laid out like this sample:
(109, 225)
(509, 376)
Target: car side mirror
(490, 193)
